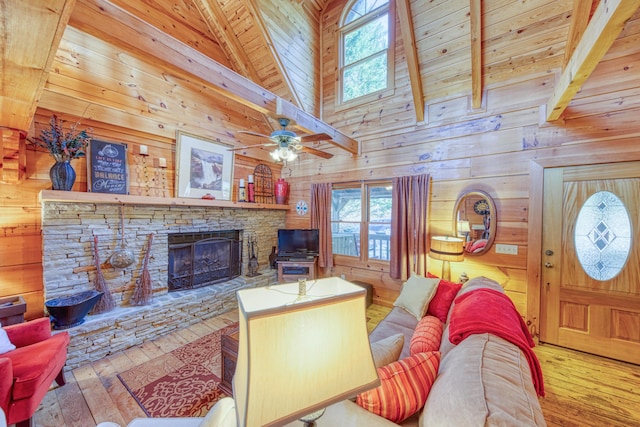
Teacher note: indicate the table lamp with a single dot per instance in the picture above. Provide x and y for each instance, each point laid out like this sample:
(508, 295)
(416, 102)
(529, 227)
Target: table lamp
(464, 229)
(299, 352)
(447, 249)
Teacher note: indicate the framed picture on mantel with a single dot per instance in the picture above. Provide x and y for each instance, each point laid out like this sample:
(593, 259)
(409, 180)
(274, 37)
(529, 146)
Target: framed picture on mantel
(203, 167)
(107, 167)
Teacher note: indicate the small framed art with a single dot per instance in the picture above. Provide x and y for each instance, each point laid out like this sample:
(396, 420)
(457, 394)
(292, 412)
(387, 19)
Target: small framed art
(203, 167)
(108, 171)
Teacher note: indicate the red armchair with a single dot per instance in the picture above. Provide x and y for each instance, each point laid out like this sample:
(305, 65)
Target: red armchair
(27, 372)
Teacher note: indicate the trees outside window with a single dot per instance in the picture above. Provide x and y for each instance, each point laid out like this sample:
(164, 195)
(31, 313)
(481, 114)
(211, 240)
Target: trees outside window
(361, 221)
(365, 51)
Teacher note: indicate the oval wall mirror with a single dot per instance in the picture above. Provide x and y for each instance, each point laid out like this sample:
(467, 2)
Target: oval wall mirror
(474, 220)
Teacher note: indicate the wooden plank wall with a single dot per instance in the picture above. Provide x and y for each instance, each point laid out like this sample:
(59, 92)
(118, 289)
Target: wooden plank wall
(134, 100)
(489, 150)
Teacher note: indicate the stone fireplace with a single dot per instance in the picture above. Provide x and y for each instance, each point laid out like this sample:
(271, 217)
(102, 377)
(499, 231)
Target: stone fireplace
(203, 259)
(68, 266)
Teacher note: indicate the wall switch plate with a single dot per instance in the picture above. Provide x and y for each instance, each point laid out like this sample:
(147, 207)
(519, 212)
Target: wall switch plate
(507, 249)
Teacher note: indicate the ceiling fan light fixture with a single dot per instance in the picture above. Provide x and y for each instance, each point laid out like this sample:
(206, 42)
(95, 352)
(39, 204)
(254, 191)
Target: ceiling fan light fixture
(283, 153)
(291, 156)
(288, 144)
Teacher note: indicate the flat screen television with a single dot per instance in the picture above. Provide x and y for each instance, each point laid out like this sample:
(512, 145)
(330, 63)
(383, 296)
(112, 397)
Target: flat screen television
(299, 242)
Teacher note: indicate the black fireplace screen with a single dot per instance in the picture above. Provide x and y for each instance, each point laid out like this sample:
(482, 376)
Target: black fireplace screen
(202, 259)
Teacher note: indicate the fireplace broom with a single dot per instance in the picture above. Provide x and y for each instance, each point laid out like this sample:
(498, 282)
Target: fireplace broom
(105, 303)
(143, 292)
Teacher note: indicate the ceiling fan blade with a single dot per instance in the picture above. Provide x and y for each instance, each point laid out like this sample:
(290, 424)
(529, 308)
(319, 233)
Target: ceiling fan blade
(315, 152)
(248, 132)
(252, 146)
(315, 137)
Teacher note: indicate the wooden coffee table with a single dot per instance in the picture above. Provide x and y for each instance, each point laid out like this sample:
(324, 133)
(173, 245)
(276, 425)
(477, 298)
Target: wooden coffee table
(229, 343)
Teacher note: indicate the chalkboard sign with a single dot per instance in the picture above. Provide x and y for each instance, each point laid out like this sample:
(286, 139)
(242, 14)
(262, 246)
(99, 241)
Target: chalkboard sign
(107, 164)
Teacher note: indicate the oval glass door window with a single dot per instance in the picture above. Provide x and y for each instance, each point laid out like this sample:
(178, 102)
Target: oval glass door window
(603, 236)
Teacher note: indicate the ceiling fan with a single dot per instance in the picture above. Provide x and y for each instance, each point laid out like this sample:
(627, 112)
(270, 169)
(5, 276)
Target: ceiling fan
(288, 143)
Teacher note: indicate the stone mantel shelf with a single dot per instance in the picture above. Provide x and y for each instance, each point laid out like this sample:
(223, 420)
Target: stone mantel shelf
(80, 197)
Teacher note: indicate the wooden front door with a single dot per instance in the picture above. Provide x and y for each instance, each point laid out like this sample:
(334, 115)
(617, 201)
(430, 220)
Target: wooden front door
(598, 315)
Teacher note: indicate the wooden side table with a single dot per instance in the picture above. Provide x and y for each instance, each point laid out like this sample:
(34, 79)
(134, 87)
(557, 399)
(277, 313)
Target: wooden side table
(229, 343)
(12, 310)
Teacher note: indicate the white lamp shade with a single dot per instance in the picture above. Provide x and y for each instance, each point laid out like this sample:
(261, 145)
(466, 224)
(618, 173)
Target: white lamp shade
(463, 227)
(298, 355)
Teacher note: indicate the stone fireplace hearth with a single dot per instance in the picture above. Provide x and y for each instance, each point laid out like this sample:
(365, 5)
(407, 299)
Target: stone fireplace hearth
(68, 267)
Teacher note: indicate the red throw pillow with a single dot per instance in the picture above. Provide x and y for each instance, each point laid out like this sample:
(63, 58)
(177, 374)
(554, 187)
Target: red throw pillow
(404, 387)
(426, 336)
(441, 302)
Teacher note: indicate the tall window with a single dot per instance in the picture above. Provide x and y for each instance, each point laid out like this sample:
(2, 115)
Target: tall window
(361, 221)
(366, 58)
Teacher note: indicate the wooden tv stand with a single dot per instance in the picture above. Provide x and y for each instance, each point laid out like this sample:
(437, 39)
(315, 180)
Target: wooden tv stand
(294, 269)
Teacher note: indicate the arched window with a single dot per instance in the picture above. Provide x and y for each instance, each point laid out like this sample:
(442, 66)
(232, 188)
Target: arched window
(366, 48)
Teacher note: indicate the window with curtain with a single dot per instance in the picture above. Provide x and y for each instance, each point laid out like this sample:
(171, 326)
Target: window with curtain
(366, 54)
(361, 221)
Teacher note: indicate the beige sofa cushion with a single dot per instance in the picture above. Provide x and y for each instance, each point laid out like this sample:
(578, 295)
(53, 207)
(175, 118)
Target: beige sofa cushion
(387, 350)
(416, 294)
(397, 321)
(484, 381)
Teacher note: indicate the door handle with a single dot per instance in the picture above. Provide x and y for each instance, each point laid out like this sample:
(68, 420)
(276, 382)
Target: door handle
(548, 265)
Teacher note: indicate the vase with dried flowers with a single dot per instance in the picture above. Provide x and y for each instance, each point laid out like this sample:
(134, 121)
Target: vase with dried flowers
(63, 146)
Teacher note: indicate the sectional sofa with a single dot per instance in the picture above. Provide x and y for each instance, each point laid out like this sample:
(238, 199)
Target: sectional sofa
(483, 380)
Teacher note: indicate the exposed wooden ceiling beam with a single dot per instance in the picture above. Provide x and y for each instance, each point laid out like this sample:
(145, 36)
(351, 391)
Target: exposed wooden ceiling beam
(579, 21)
(316, 4)
(254, 11)
(222, 29)
(13, 156)
(117, 26)
(114, 25)
(408, 37)
(220, 26)
(475, 17)
(308, 123)
(27, 54)
(605, 26)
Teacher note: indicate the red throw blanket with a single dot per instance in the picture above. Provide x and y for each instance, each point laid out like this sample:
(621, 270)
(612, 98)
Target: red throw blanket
(490, 311)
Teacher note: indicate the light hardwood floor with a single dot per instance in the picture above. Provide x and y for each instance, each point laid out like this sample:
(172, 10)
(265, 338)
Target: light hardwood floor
(582, 390)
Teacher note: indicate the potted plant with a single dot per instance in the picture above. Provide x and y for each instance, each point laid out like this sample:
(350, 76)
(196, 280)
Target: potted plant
(63, 146)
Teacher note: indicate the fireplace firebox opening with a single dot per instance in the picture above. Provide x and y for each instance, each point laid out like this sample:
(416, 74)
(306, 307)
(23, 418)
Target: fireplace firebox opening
(203, 258)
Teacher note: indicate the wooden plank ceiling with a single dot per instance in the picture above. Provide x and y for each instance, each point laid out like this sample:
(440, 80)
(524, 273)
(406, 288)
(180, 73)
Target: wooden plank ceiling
(221, 66)
(153, 66)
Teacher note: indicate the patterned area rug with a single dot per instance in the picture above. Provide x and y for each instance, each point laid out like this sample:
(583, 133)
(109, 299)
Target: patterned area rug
(182, 383)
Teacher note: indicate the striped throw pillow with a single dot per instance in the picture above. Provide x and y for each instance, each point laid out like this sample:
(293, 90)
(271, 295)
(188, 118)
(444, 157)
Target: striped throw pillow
(404, 387)
(426, 336)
